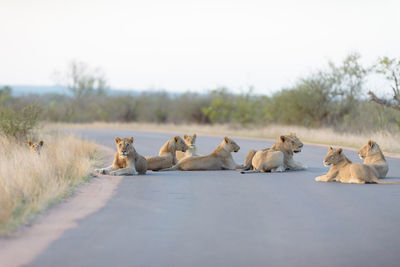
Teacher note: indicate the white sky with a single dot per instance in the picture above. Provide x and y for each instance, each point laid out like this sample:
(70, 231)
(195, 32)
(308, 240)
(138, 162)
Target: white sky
(198, 45)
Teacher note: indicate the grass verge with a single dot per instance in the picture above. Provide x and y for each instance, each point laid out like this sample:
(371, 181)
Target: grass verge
(389, 142)
(29, 183)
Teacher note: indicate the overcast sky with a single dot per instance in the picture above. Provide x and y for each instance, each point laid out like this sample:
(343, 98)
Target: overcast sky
(198, 45)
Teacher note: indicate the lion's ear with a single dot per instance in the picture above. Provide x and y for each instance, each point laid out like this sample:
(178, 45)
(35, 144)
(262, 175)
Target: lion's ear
(194, 136)
(370, 143)
(30, 143)
(40, 143)
(226, 139)
(330, 148)
(185, 136)
(176, 138)
(117, 140)
(283, 138)
(340, 151)
(131, 140)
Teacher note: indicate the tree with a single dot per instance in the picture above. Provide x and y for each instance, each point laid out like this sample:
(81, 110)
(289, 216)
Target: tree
(222, 106)
(85, 84)
(390, 68)
(82, 81)
(5, 94)
(324, 97)
(346, 80)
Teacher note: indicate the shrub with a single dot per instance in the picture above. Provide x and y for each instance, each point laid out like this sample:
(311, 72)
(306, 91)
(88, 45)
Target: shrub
(18, 124)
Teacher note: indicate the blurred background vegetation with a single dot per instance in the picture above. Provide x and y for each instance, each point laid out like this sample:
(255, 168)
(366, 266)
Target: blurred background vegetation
(335, 97)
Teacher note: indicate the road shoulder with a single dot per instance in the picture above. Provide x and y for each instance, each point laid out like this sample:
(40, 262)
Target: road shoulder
(25, 244)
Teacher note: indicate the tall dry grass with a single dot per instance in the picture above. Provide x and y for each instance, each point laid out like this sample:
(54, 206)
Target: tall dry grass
(388, 141)
(30, 182)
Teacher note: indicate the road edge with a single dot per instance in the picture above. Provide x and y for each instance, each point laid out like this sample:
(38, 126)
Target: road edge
(24, 245)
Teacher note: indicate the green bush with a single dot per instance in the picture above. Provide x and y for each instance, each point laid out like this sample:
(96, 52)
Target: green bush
(18, 124)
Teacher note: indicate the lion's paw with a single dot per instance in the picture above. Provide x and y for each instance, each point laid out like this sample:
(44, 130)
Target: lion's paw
(279, 169)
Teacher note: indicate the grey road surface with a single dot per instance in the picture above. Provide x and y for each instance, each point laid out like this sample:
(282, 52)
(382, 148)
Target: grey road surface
(224, 218)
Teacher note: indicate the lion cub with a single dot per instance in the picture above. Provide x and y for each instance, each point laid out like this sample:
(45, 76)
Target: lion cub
(192, 149)
(166, 156)
(345, 171)
(35, 147)
(373, 156)
(126, 161)
(278, 158)
(220, 159)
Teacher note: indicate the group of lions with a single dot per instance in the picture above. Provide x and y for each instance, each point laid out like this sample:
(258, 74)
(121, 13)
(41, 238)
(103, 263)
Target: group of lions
(181, 154)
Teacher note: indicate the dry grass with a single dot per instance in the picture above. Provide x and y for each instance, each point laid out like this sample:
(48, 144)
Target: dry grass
(30, 182)
(389, 142)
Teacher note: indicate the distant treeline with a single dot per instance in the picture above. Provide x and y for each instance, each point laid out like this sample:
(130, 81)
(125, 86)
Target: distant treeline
(333, 97)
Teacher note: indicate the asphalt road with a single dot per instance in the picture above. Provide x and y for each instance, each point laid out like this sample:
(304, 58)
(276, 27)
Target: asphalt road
(224, 218)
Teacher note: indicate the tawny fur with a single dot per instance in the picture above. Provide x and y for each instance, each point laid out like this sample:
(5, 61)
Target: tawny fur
(345, 171)
(35, 147)
(190, 141)
(220, 159)
(167, 155)
(373, 156)
(126, 161)
(277, 158)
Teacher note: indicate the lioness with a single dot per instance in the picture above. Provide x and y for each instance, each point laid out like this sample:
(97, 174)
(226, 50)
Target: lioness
(192, 149)
(373, 156)
(126, 161)
(265, 160)
(345, 171)
(166, 157)
(277, 158)
(35, 147)
(220, 159)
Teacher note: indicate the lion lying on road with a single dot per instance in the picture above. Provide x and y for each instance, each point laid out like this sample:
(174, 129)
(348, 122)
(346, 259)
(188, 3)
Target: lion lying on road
(220, 159)
(373, 156)
(192, 149)
(345, 171)
(35, 147)
(265, 160)
(166, 157)
(278, 158)
(126, 161)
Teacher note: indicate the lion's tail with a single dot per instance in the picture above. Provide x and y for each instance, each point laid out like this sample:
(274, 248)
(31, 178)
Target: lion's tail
(248, 161)
(252, 171)
(173, 168)
(384, 182)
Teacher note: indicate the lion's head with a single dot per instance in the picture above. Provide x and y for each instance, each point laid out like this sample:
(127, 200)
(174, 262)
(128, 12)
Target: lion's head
(369, 148)
(124, 146)
(35, 147)
(231, 145)
(333, 156)
(190, 140)
(291, 143)
(180, 145)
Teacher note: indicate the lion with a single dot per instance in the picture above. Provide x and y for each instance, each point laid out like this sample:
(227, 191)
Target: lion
(265, 160)
(278, 158)
(372, 155)
(220, 159)
(35, 147)
(126, 161)
(192, 149)
(166, 157)
(345, 171)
